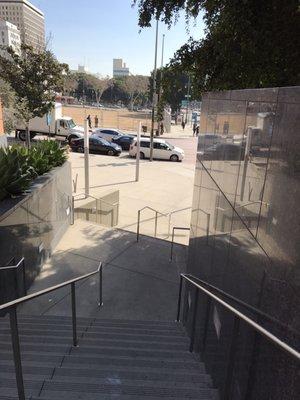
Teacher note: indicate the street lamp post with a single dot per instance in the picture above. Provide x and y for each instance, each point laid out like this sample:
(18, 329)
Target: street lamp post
(154, 97)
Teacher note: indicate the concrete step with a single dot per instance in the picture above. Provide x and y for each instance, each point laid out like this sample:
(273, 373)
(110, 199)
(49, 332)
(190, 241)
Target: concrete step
(122, 373)
(140, 362)
(126, 352)
(75, 390)
(139, 337)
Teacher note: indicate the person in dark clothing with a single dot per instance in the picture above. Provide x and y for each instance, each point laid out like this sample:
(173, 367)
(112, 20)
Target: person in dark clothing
(194, 128)
(96, 121)
(162, 128)
(197, 130)
(89, 121)
(183, 124)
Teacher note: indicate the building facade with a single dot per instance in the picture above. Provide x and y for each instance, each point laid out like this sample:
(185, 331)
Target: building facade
(245, 232)
(28, 18)
(9, 36)
(119, 68)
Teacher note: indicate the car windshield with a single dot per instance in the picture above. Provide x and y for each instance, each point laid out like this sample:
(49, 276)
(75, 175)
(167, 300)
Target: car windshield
(170, 145)
(71, 124)
(102, 141)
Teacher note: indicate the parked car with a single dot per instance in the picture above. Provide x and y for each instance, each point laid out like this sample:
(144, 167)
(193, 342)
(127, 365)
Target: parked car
(124, 141)
(223, 151)
(162, 150)
(97, 146)
(107, 134)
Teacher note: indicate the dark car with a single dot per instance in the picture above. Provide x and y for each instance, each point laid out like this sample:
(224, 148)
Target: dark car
(223, 151)
(97, 146)
(124, 141)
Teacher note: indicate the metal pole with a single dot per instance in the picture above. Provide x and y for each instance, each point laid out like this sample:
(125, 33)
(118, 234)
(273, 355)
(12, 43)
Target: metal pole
(188, 98)
(155, 227)
(246, 159)
(138, 226)
(86, 159)
(24, 277)
(207, 227)
(206, 321)
(172, 244)
(179, 300)
(154, 96)
(73, 211)
(100, 287)
(230, 366)
(73, 300)
(194, 321)
(137, 167)
(16, 352)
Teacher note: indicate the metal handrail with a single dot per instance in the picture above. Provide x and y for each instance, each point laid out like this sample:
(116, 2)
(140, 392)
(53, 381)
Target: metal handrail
(245, 305)
(238, 316)
(12, 309)
(14, 268)
(172, 242)
(155, 223)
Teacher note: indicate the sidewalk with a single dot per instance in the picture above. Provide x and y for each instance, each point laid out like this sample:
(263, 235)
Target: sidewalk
(139, 281)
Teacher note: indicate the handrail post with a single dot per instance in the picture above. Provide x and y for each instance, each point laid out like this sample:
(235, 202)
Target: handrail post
(73, 211)
(206, 321)
(100, 287)
(138, 226)
(73, 299)
(207, 227)
(230, 366)
(172, 244)
(194, 321)
(179, 299)
(24, 276)
(16, 352)
(155, 227)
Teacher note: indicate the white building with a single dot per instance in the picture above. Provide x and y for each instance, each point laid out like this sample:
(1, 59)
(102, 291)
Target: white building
(28, 18)
(9, 36)
(119, 69)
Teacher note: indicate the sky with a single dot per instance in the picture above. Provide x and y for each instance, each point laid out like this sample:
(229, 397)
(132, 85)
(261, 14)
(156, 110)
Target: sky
(93, 32)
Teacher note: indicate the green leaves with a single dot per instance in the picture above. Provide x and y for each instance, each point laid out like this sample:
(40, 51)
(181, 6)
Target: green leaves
(35, 77)
(19, 166)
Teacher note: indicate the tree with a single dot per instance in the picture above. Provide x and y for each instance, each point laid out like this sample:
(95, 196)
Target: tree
(247, 43)
(135, 86)
(35, 78)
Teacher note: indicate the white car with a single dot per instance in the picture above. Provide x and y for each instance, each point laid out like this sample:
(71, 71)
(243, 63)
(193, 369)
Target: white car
(107, 133)
(162, 150)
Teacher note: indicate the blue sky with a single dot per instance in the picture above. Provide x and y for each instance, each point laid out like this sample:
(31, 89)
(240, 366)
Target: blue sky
(93, 32)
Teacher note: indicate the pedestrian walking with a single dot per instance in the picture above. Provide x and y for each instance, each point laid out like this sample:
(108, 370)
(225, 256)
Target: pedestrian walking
(96, 121)
(183, 124)
(89, 121)
(197, 130)
(194, 128)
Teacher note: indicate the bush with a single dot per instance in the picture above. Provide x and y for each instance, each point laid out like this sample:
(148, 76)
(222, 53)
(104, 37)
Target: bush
(19, 166)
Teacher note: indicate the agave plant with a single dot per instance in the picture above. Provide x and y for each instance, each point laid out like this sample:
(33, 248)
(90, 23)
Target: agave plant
(19, 166)
(15, 172)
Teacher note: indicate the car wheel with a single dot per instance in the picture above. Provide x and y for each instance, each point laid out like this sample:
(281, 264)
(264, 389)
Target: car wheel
(110, 153)
(142, 155)
(80, 149)
(71, 137)
(22, 135)
(174, 158)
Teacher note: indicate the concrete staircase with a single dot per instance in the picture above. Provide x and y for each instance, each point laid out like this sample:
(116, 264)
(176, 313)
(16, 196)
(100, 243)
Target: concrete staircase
(115, 359)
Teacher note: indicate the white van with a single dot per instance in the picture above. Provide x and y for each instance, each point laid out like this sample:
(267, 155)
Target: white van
(162, 150)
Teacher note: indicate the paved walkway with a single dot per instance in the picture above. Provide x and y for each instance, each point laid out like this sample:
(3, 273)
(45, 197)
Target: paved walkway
(139, 281)
(163, 185)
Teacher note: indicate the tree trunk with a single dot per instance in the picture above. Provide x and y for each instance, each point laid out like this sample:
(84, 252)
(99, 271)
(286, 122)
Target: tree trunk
(27, 135)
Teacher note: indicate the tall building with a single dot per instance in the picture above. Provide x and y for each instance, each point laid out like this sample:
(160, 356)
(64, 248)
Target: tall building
(119, 68)
(9, 36)
(28, 18)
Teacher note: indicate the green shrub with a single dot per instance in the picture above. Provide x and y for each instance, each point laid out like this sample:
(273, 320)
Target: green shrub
(15, 172)
(19, 166)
